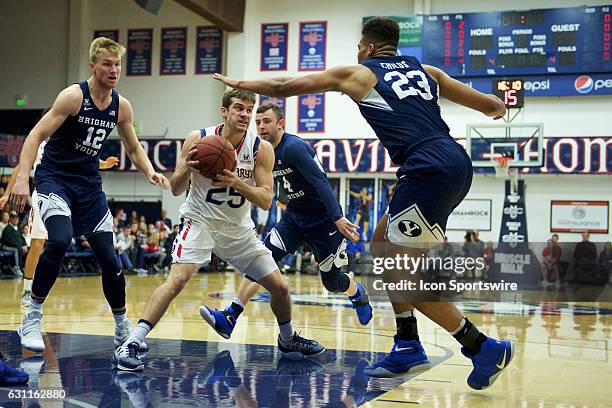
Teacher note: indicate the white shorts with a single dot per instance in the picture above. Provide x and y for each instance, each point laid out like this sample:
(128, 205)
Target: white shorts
(239, 246)
(37, 226)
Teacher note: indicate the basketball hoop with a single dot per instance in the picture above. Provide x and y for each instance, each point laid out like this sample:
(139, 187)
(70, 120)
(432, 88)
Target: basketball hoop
(501, 164)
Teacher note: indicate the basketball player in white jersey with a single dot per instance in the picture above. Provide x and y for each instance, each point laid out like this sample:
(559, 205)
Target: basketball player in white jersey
(216, 216)
(37, 231)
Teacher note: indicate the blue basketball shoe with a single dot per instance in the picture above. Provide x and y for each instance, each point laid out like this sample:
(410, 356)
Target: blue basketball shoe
(406, 357)
(493, 357)
(361, 304)
(11, 376)
(220, 320)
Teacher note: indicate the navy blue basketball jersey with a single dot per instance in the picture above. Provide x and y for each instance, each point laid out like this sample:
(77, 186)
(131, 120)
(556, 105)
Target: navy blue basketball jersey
(403, 107)
(73, 150)
(298, 172)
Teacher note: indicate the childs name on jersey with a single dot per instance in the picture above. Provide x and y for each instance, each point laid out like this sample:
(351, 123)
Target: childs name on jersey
(394, 65)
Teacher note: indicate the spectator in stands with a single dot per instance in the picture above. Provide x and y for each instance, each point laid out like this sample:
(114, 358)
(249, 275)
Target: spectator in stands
(12, 238)
(153, 248)
(446, 249)
(116, 227)
(488, 253)
(121, 216)
(585, 255)
(164, 217)
(141, 244)
(550, 263)
(25, 232)
(605, 261)
(354, 252)
(125, 245)
(4, 221)
(134, 217)
(142, 219)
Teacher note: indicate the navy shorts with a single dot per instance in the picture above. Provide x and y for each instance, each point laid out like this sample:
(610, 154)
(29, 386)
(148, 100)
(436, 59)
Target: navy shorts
(86, 206)
(296, 228)
(432, 181)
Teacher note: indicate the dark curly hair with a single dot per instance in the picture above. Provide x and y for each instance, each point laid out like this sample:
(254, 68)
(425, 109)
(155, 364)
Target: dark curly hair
(381, 31)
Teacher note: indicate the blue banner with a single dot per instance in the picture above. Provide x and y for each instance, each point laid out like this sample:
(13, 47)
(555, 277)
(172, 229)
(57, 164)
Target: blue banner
(564, 155)
(280, 102)
(274, 47)
(554, 85)
(173, 51)
(313, 46)
(209, 49)
(139, 52)
(112, 34)
(311, 113)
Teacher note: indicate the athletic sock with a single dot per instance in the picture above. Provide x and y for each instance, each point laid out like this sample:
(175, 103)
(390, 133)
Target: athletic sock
(140, 331)
(357, 296)
(406, 326)
(119, 317)
(469, 336)
(27, 285)
(235, 308)
(35, 305)
(286, 331)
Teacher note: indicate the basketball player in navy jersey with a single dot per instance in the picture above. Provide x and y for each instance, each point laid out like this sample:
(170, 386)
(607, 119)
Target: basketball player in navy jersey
(398, 97)
(69, 186)
(313, 215)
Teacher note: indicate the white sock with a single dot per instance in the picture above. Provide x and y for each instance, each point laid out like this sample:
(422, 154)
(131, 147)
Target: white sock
(119, 318)
(458, 329)
(139, 333)
(238, 302)
(409, 313)
(35, 306)
(286, 331)
(27, 285)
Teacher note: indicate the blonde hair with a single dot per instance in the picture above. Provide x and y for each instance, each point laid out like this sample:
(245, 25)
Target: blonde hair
(102, 44)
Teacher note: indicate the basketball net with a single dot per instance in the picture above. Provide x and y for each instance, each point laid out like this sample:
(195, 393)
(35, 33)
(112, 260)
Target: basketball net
(503, 170)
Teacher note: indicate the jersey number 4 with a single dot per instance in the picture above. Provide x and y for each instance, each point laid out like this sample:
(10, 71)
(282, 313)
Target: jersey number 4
(404, 79)
(232, 202)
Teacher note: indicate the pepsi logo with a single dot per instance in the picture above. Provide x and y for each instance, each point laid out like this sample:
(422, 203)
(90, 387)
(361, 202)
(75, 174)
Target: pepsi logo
(584, 84)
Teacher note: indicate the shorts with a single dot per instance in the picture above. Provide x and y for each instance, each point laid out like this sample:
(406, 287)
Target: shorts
(295, 228)
(86, 207)
(431, 183)
(37, 226)
(239, 246)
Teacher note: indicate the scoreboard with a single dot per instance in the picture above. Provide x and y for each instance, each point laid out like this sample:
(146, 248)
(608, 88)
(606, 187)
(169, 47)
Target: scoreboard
(518, 43)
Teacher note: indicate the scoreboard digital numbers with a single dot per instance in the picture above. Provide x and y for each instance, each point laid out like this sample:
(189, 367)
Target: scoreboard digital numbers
(511, 91)
(534, 42)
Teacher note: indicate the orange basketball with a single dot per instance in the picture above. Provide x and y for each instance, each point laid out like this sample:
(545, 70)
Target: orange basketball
(214, 154)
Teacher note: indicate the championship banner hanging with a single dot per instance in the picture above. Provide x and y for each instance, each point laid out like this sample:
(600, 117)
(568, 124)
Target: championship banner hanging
(209, 50)
(173, 52)
(280, 102)
(311, 113)
(313, 46)
(274, 47)
(139, 52)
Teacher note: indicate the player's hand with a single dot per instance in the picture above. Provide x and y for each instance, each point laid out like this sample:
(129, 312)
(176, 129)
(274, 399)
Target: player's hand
(159, 180)
(232, 83)
(226, 179)
(109, 163)
(501, 110)
(192, 165)
(20, 195)
(3, 200)
(348, 229)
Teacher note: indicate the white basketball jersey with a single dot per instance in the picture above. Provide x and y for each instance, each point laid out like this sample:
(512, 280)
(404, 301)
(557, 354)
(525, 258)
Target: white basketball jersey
(39, 154)
(205, 201)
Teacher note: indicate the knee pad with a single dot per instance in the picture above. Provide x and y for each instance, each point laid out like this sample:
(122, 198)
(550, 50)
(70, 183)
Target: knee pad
(59, 228)
(335, 281)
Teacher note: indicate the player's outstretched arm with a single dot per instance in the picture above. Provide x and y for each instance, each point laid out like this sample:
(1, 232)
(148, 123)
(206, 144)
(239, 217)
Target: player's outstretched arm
(108, 163)
(462, 94)
(67, 103)
(356, 81)
(261, 194)
(182, 171)
(137, 155)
